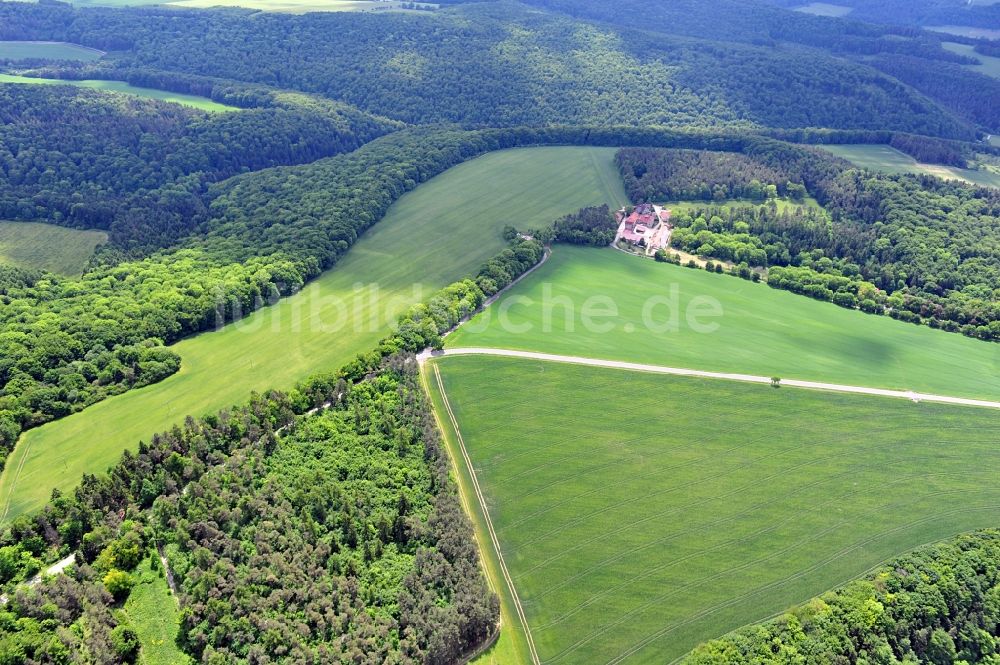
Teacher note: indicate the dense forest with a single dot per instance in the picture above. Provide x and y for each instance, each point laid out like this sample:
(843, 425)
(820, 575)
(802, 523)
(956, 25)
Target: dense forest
(676, 175)
(918, 248)
(940, 605)
(917, 12)
(915, 58)
(342, 530)
(594, 226)
(465, 64)
(969, 94)
(139, 168)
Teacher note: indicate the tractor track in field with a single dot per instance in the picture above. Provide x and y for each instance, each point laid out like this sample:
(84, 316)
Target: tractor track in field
(489, 523)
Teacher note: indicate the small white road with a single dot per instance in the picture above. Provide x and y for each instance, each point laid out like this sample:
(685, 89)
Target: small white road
(54, 569)
(679, 371)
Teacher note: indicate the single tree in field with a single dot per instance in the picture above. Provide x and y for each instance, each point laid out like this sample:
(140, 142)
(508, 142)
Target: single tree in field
(775, 381)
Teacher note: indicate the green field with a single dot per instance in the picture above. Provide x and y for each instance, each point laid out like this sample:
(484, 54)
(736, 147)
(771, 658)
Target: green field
(824, 9)
(965, 31)
(640, 515)
(782, 204)
(152, 611)
(440, 232)
(990, 66)
(48, 247)
(202, 103)
(47, 50)
(761, 331)
(889, 160)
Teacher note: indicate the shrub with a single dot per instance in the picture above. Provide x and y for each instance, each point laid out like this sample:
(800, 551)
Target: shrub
(126, 643)
(119, 584)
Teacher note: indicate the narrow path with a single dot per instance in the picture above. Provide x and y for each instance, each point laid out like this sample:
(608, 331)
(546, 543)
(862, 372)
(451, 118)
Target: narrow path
(167, 573)
(489, 522)
(746, 378)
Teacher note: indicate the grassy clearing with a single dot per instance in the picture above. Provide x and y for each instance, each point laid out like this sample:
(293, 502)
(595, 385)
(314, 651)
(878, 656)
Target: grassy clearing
(965, 31)
(48, 247)
(889, 160)
(152, 611)
(202, 103)
(640, 515)
(783, 205)
(824, 9)
(989, 65)
(761, 331)
(440, 232)
(48, 50)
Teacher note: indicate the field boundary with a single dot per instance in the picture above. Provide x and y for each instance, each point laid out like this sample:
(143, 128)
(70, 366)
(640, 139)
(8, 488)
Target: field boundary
(487, 522)
(745, 378)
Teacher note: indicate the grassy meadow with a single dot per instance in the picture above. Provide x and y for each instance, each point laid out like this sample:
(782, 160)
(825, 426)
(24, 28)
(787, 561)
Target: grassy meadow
(989, 65)
(761, 331)
(48, 247)
(47, 50)
(965, 31)
(640, 515)
(202, 103)
(782, 204)
(440, 232)
(152, 611)
(824, 9)
(889, 160)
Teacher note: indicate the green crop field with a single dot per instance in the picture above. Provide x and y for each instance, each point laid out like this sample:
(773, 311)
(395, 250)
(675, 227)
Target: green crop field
(889, 160)
(440, 232)
(202, 103)
(152, 611)
(640, 515)
(761, 331)
(990, 66)
(47, 50)
(47, 247)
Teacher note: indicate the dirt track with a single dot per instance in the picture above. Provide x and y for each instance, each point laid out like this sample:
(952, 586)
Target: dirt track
(746, 378)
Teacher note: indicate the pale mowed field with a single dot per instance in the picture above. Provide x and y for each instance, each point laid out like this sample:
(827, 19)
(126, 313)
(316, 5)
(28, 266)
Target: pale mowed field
(48, 247)
(201, 103)
(889, 160)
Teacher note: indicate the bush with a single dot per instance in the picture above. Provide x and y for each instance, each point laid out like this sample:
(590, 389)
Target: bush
(119, 584)
(126, 643)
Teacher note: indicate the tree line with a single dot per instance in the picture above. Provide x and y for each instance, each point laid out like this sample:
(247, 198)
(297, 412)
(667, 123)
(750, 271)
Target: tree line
(937, 605)
(674, 175)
